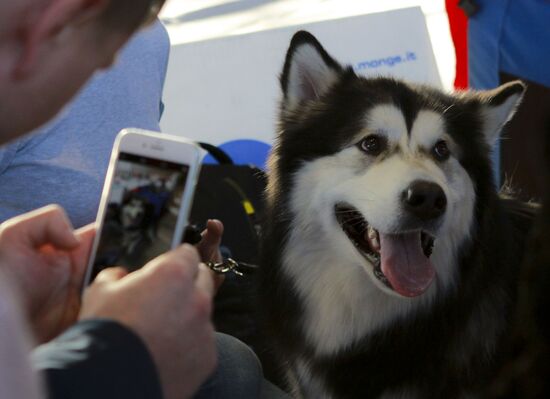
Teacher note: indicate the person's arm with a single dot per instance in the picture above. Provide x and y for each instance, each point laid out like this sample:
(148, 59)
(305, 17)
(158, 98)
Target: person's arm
(17, 379)
(97, 359)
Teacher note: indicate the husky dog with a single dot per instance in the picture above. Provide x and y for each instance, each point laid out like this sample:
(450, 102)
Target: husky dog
(390, 262)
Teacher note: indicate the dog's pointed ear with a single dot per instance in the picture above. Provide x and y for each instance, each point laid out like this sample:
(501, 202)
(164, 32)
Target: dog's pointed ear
(309, 71)
(499, 106)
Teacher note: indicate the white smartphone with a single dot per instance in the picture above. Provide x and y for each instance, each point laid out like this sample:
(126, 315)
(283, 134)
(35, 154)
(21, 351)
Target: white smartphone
(146, 199)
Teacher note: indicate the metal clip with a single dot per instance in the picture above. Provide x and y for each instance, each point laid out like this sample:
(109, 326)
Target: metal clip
(228, 265)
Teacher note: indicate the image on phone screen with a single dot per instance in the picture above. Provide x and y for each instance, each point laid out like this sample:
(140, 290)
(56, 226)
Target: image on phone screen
(141, 213)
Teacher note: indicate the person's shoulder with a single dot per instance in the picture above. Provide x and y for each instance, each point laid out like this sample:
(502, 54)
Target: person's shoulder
(153, 38)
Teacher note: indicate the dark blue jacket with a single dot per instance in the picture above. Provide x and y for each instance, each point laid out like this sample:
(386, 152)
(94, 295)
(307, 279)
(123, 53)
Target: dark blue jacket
(97, 359)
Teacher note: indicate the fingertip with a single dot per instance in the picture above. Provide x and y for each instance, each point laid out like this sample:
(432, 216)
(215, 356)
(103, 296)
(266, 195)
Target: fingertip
(111, 274)
(215, 224)
(88, 229)
(65, 236)
(56, 212)
(86, 233)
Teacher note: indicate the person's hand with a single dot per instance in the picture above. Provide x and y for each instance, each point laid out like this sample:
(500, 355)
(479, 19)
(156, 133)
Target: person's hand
(47, 261)
(209, 247)
(168, 304)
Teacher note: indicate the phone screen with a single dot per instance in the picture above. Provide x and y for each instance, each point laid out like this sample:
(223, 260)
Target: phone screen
(141, 213)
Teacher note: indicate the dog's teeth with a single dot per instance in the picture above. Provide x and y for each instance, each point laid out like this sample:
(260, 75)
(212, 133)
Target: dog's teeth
(371, 233)
(372, 236)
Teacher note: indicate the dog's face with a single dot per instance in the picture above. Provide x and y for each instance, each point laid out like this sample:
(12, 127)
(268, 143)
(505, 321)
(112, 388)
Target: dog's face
(385, 174)
(133, 214)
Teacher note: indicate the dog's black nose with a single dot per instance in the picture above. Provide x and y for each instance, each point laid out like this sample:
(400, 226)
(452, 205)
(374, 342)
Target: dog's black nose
(425, 200)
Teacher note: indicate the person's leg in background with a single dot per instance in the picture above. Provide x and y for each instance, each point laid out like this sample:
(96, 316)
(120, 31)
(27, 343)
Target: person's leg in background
(238, 375)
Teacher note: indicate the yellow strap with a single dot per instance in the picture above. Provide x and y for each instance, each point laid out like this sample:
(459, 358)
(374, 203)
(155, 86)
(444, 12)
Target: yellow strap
(248, 208)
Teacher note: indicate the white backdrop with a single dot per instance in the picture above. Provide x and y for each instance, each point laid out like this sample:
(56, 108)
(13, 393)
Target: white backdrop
(227, 88)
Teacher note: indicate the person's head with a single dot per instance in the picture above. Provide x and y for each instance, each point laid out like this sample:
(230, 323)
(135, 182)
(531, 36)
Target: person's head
(49, 49)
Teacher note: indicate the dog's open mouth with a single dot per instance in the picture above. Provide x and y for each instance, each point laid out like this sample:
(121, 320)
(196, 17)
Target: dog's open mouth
(400, 261)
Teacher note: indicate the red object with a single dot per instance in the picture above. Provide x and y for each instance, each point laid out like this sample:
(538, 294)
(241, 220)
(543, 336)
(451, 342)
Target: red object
(458, 22)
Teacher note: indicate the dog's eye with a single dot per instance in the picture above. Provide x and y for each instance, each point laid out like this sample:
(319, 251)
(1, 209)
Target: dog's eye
(441, 151)
(373, 144)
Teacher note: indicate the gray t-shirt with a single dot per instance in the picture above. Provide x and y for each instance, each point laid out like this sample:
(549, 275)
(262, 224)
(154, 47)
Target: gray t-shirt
(65, 162)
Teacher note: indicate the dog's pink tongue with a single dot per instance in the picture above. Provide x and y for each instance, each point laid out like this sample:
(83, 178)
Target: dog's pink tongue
(404, 264)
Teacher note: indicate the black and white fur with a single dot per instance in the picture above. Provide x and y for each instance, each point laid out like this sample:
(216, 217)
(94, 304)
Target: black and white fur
(340, 331)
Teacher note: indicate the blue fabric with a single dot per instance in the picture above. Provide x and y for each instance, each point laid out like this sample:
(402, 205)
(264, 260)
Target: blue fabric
(526, 39)
(65, 162)
(484, 31)
(509, 36)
